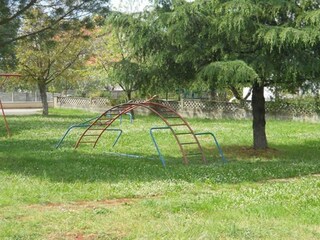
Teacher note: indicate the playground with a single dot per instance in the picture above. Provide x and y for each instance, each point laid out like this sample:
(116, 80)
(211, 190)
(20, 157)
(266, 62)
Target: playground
(230, 150)
(124, 192)
(178, 126)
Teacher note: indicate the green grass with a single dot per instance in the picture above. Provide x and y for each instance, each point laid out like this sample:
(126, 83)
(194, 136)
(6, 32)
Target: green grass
(48, 193)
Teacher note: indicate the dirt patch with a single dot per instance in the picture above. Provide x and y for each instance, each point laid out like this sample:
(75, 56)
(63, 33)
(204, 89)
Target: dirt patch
(86, 204)
(245, 152)
(74, 236)
(80, 236)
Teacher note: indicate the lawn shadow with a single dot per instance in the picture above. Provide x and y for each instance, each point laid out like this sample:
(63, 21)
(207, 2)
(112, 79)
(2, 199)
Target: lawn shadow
(20, 123)
(39, 158)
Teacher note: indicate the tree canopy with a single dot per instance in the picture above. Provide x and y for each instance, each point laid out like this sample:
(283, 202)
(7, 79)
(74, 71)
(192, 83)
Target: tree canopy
(15, 12)
(48, 31)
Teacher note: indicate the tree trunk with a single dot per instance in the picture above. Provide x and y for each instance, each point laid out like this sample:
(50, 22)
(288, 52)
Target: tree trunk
(317, 97)
(128, 95)
(259, 118)
(43, 94)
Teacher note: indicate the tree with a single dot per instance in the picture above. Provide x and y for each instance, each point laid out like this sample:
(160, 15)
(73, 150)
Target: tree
(13, 12)
(7, 58)
(115, 57)
(47, 56)
(233, 42)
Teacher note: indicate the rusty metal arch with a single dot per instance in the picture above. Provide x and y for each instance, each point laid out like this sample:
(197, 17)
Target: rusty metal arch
(94, 132)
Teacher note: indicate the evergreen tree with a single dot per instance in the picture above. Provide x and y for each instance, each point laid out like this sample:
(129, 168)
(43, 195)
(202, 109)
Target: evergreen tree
(7, 58)
(228, 43)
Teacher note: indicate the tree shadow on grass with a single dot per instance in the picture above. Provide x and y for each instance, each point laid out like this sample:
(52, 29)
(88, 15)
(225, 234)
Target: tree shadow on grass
(38, 158)
(18, 124)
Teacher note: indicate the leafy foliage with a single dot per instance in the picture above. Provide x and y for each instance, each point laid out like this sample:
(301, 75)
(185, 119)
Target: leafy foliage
(228, 72)
(7, 58)
(59, 10)
(48, 56)
(65, 14)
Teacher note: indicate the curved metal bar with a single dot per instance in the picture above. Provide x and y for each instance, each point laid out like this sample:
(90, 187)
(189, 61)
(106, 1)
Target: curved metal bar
(66, 133)
(84, 124)
(156, 144)
(87, 125)
(153, 104)
(224, 160)
(129, 106)
(156, 108)
(119, 135)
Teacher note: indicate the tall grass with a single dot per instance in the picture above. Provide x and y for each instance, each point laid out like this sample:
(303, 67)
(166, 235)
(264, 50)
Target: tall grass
(67, 193)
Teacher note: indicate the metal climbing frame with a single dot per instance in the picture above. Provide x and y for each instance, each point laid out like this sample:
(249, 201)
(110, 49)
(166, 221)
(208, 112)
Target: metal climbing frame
(184, 135)
(95, 130)
(162, 159)
(93, 133)
(181, 130)
(87, 124)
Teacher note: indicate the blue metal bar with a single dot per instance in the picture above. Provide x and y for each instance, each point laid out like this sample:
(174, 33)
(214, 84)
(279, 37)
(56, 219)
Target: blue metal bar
(119, 134)
(129, 155)
(130, 116)
(224, 160)
(156, 144)
(68, 130)
(84, 124)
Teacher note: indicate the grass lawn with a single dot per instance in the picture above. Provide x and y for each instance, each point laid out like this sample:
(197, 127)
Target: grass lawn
(48, 193)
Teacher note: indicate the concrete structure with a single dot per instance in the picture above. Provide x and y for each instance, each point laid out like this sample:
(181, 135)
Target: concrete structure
(23, 105)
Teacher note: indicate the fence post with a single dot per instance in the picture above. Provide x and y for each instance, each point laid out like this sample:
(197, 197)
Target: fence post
(181, 103)
(55, 102)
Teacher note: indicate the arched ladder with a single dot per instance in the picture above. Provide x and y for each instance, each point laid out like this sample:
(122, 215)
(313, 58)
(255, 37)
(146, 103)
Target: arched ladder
(181, 130)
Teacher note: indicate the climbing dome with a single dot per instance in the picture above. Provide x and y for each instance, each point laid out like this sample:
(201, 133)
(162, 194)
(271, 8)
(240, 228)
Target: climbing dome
(179, 127)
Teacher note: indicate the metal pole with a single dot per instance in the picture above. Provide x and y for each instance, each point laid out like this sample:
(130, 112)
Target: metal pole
(224, 160)
(156, 144)
(5, 120)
